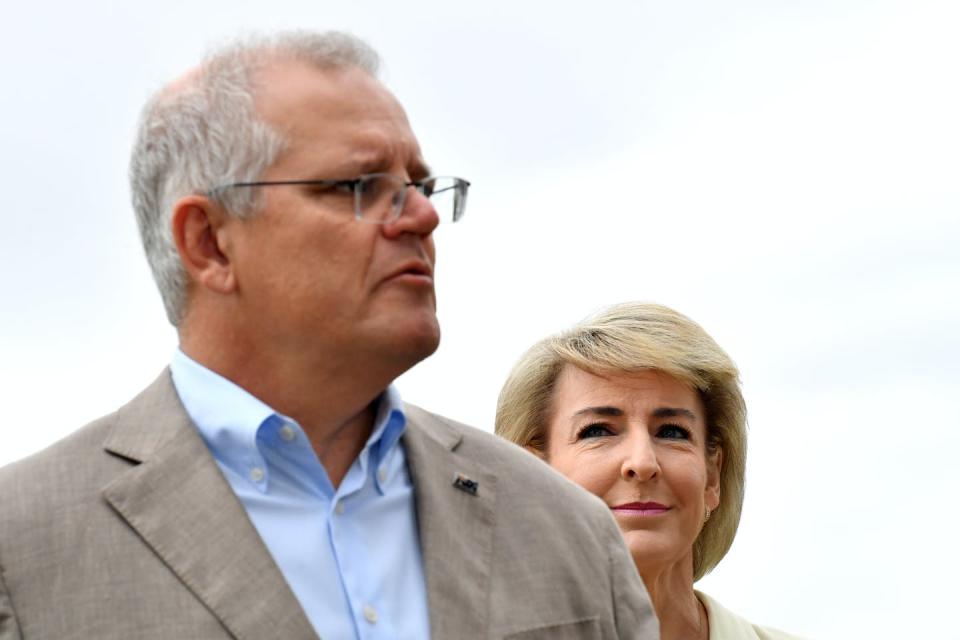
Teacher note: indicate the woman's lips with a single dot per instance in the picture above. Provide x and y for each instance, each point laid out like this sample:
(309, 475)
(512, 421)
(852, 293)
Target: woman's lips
(640, 509)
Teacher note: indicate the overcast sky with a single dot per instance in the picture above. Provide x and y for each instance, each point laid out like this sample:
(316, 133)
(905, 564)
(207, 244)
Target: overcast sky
(786, 173)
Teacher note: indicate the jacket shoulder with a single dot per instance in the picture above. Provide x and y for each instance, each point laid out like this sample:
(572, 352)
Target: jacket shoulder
(557, 560)
(65, 479)
(58, 483)
(60, 458)
(513, 465)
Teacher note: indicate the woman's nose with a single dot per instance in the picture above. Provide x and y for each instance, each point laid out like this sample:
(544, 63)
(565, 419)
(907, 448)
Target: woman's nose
(640, 462)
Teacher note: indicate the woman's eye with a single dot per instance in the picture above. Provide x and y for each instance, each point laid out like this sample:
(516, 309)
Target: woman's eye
(673, 432)
(594, 431)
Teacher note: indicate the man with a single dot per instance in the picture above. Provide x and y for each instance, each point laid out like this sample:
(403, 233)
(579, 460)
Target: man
(271, 484)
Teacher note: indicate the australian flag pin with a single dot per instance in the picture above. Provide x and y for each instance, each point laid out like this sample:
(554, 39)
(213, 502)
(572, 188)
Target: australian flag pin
(464, 483)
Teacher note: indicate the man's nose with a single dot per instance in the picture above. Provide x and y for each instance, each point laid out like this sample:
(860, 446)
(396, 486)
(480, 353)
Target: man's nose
(418, 216)
(640, 462)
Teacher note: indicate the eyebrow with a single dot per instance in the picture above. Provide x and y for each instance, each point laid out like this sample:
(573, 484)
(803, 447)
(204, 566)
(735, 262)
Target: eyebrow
(662, 412)
(420, 170)
(600, 411)
(377, 161)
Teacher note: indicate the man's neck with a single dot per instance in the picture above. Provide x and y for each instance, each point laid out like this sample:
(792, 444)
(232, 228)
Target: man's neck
(339, 449)
(335, 404)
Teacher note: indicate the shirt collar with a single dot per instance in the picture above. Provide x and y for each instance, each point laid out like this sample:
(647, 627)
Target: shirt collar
(229, 418)
(390, 421)
(388, 426)
(226, 415)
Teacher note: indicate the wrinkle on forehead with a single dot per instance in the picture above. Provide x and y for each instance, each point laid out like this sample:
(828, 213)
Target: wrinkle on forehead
(274, 75)
(375, 152)
(363, 127)
(629, 391)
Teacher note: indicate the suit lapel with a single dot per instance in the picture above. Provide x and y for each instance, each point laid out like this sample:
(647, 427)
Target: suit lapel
(456, 526)
(180, 504)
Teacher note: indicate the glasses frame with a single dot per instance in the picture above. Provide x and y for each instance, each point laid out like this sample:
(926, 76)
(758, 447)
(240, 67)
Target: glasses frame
(398, 200)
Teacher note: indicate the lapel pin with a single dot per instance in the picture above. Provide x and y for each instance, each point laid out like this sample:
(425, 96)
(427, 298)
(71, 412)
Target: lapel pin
(464, 483)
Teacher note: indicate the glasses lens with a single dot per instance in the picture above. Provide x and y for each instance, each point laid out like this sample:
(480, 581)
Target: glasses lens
(379, 197)
(447, 195)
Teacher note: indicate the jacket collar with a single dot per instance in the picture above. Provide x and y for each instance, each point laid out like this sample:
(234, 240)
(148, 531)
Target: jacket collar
(175, 497)
(456, 525)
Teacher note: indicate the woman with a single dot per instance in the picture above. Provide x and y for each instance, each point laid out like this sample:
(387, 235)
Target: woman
(642, 408)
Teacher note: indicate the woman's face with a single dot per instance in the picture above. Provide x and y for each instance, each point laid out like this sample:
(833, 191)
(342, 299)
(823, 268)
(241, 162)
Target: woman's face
(638, 441)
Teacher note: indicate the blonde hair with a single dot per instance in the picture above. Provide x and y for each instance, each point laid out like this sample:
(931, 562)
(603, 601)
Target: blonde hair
(629, 338)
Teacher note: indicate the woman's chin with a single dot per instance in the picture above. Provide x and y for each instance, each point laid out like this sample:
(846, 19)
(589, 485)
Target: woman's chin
(654, 551)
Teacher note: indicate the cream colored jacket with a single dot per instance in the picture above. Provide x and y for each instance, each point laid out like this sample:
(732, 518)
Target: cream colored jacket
(726, 625)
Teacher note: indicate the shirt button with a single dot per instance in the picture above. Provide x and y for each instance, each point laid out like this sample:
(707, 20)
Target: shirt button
(340, 508)
(287, 434)
(256, 474)
(370, 614)
(382, 475)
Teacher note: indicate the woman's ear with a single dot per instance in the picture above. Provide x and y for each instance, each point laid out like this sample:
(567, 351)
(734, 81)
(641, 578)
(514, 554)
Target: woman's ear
(537, 451)
(712, 490)
(200, 231)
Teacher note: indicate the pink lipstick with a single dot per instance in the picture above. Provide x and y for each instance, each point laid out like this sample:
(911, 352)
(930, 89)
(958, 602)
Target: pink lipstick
(640, 509)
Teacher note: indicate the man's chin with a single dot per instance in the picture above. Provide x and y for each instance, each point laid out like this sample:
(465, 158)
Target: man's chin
(424, 341)
(410, 340)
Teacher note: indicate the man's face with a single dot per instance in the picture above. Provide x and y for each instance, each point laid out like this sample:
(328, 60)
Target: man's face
(313, 280)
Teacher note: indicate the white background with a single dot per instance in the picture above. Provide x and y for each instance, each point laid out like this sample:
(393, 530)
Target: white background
(786, 173)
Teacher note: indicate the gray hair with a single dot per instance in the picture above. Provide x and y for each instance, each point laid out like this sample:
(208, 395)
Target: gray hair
(203, 131)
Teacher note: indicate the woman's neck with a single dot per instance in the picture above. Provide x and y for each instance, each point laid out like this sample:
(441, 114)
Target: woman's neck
(681, 614)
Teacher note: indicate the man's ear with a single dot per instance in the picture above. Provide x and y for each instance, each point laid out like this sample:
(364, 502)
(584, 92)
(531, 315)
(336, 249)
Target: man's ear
(712, 491)
(199, 228)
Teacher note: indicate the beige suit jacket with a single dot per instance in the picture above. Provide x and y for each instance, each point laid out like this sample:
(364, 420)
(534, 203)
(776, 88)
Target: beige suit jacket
(127, 529)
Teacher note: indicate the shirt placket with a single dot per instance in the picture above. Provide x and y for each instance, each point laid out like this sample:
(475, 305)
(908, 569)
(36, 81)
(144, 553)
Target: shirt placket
(358, 579)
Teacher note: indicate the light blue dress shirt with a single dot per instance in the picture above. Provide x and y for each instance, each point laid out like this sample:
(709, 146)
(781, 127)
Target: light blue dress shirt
(350, 555)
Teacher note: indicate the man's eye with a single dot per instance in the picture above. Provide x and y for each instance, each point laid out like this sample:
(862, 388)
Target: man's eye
(673, 432)
(346, 188)
(326, 189)
(594, 431)
(376, 187)
(427, 187)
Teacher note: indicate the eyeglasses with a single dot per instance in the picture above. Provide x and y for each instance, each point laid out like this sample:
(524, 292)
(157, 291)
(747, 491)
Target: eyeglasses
(378, 198)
